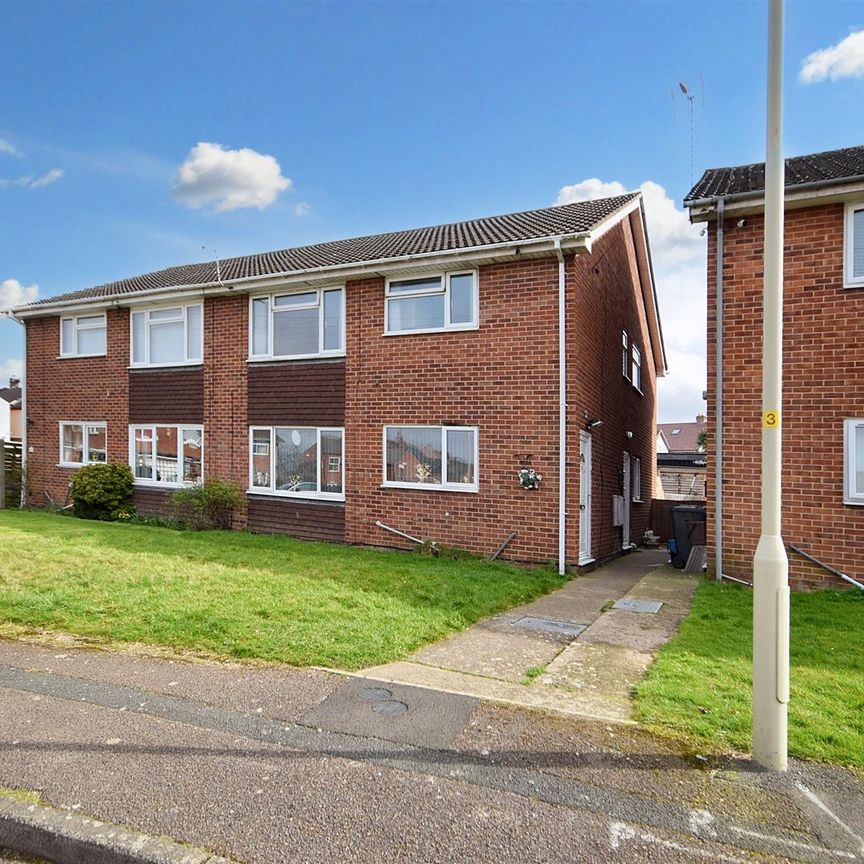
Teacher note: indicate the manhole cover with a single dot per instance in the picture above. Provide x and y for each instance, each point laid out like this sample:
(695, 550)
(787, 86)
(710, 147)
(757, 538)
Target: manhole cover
(374, 694)
(390, 708)
(632, 605)
(549, 625)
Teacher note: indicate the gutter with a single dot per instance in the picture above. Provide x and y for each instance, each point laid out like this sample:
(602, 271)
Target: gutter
(756, 194)
(562, 409)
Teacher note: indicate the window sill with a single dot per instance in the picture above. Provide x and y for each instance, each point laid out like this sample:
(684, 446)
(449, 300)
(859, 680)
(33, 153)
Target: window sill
(297, 496)
(460, 328)
(80, 356)
(335, 355)
(75, 465)
(583, 561)
(145, 484)
(853, 502)
(180, 364)
(858, 283)
(430, 487)
(637, 500)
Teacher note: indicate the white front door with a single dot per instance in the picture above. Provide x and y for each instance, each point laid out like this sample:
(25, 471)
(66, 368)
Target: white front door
(585, 498)
(625, 541)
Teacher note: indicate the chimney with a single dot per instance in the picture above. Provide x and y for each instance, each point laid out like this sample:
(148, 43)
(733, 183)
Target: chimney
(701, 418)
(14, 381)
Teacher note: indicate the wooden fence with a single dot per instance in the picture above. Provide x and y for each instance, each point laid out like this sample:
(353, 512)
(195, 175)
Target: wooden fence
(10, 473)
(661, 516)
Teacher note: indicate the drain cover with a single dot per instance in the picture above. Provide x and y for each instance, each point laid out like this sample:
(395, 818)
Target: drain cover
(632, 605)
(390, 708)
(374, 694)
(549, 625)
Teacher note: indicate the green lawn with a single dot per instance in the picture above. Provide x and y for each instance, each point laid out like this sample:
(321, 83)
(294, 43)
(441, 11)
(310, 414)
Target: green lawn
(700, 686)
(242, 595)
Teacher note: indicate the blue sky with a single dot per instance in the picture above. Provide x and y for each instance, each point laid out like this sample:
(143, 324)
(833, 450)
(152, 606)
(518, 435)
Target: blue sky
(382, 116)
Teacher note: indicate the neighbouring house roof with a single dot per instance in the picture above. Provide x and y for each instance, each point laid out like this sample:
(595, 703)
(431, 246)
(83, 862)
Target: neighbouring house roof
(12, 395)
(549, 222)
(828, 167)
(681, 437)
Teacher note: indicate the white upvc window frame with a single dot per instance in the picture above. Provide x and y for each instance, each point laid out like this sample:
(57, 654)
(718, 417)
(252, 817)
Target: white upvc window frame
(636, 367)
(272, 310)
(850, 281)
(271, 491)
(72, 351)
(850, 468)
(625, 354)
(445, 485)
(636, 480)
(86, 426)
(184, 317)
(179, 427)
(444, 291)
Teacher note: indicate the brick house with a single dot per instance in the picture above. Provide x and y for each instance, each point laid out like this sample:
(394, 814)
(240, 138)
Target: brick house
(402, 378)
(681, 465)
(823, 363)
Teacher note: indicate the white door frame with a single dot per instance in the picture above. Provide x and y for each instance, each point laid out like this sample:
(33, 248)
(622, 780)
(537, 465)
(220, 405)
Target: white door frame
(625, 531)
(585, 468)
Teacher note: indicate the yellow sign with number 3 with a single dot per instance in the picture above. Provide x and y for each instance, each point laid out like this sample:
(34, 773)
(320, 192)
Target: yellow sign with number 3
(770, 419)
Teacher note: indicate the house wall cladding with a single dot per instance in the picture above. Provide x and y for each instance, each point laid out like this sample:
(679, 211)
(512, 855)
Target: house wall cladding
(502, 378)
(166, 395)
(823, 385)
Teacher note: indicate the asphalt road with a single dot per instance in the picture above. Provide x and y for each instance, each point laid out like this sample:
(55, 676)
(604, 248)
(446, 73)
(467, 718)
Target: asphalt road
(257, 765)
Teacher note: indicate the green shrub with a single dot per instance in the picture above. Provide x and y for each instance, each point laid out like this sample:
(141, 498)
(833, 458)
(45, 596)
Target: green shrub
(103, 492)
(207, 507)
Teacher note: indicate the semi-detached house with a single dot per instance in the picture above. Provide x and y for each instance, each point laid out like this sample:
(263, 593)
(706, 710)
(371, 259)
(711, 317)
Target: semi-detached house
(402, 378)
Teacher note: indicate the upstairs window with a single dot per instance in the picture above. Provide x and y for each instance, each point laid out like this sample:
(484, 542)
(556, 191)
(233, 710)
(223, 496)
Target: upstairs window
(301, 462)
(436, 457)
(166, 455)
(294, 326)
(427, 304)
(83, 444)
(854, 275)
(853, 462)
(636, 369)
(83, 336)
(172, 336)
(625, 354)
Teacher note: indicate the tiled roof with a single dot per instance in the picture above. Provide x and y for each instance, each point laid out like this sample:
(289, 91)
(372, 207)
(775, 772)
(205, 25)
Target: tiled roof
(684, 440)
(829, 166)
(10, 394)
(513, 227)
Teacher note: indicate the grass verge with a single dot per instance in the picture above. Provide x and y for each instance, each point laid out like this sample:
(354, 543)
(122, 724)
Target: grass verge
(242, 595)
(699, 688)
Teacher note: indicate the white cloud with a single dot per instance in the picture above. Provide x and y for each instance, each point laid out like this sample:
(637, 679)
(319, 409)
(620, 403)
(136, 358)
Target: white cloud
(31, 182)
(228, 179)
(11, 368)
(678, 255)
(843, 60)
(47, 179)
(8, 148)
(302, 209)
(13, 293)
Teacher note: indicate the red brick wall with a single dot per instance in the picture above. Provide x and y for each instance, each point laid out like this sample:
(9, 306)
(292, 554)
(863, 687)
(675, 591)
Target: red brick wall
(823, 385)
(502, 378)
(86, 388)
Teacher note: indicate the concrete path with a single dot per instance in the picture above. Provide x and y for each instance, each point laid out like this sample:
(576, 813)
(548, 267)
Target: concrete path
(569, 651)
(255, 764)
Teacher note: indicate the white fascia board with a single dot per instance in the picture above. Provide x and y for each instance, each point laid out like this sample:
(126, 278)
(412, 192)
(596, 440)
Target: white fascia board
(578, 242)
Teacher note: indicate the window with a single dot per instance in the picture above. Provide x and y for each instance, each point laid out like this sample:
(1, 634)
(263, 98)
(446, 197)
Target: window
(166, 455)
(305, 462)
(430, 303)
(83, 336)
(442, 457)
(636, 369)
(854, 241)
(83, 443)
(853, 486)
(167, 337)
(636, 479)
(305, 324)
(625, 355)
